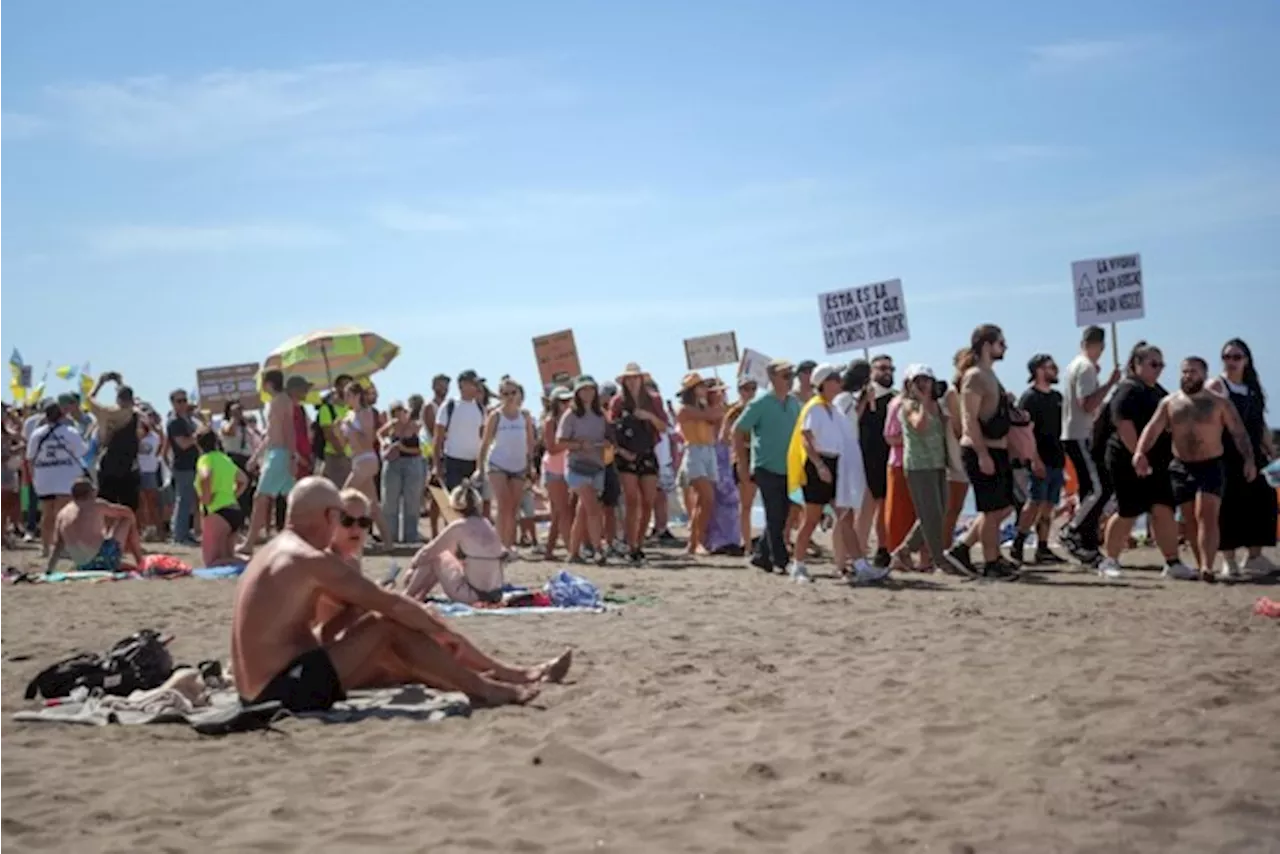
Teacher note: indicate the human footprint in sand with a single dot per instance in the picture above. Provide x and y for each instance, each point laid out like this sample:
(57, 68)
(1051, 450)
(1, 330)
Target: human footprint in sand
(332, 619)
(94, 533)
(372, 637)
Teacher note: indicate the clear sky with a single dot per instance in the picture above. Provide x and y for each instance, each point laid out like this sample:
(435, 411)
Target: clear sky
(187, 185)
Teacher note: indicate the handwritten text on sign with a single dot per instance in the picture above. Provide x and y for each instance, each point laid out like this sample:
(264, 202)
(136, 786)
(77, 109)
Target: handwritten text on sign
(866, 316)
(1108, 290)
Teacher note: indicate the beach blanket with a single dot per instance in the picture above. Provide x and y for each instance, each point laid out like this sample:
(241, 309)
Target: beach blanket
(459, 609)
(214, 712)
(564, 593)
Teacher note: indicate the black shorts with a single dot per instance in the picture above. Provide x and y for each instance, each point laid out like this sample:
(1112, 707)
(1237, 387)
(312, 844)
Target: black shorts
(611, 496)
(1187, 480)
(53, 497)
(991, 492)
(120, 488)
(456, 471)
(876, 466)
(1137, 495)
(233, 515)
(309, 683)
(644, 465)
(815, 490)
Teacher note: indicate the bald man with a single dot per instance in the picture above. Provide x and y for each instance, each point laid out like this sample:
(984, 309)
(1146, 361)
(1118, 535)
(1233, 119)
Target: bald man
(274, 651)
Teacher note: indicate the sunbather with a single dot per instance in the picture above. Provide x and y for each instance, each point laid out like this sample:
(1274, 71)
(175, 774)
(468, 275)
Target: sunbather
(93, 532)
(388, 639)
(465, 560)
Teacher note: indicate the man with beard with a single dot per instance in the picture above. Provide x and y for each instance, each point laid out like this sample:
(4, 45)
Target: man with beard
(984, 450)
(873, 406)
(1196, 419)
(1044, 404)
(1085, 399)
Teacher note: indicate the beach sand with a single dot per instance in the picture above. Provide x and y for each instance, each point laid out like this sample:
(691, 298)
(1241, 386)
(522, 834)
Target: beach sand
(721, 711)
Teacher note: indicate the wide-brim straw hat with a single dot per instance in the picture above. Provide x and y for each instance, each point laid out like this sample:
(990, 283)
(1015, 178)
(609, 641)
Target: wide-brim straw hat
(633, 369)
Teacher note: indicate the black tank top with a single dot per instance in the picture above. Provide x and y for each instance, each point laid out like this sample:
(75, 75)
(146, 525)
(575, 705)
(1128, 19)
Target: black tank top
(121, 455)
(1255, 422)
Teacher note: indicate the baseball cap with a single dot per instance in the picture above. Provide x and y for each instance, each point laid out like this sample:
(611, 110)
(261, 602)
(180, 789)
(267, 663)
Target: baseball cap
(1036, 361)
(780, 366)
(470, 376)
(806, 365)
(823, 372)
(918, 370)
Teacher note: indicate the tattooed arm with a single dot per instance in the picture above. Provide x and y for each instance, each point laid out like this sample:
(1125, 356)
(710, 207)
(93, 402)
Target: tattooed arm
(1235, 427)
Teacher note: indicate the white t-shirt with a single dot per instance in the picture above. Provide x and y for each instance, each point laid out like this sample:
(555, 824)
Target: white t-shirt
(828, 434)
(1082, 381)
(29, 426)
(462, 428)
(56, 452)
(149, 453)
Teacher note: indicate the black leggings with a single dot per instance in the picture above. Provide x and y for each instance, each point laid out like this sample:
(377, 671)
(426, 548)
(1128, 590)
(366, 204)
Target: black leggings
(1094, 490)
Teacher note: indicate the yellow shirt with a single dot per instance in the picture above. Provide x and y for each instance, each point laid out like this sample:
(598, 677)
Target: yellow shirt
(698, 432)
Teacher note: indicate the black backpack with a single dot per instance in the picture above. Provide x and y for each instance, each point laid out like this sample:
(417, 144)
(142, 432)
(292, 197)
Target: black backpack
(317, 432)
(139, 662)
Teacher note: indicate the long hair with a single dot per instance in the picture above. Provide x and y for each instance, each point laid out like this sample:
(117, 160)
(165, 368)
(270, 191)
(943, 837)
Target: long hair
(987, 333)
(631, 404)
(1250, 372)
(964, 359)
(580, 409)
(689, 397)
(1139, 354)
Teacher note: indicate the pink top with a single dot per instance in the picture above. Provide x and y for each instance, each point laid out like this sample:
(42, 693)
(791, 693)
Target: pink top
(474, 541)
(893, 432)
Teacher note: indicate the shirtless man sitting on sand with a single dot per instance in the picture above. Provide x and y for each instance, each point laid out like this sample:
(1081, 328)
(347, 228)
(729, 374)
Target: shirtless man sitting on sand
(1196, 418)
(332, 619)
(93, 532)
(275, 653)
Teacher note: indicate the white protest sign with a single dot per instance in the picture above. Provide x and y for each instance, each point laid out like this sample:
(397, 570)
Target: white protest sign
(1108, 290)
(754, 364)
(711, 351)
(865, 316)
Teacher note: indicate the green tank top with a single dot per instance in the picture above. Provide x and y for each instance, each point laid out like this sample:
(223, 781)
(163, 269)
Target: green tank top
(923, 449)
(221, 470)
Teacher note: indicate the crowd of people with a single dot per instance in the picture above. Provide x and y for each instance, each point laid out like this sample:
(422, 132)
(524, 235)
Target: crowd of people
(609, 465)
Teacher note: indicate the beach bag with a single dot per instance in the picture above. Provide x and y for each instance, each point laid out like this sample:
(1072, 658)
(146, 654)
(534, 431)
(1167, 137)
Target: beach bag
(139, 662)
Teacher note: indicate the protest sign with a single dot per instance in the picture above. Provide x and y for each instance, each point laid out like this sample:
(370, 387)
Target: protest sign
(25, 376)
(218, 386)
(711, 351)
(862, 317)
(1108, 290)
(557, 357)
(754, 364)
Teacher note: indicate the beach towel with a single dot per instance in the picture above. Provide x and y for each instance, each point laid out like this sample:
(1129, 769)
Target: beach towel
(217, 712)
(233, 570)
(461, 609)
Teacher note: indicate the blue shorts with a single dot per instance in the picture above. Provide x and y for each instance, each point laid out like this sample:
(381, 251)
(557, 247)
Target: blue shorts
(106, 560)
(699, 463)
(277, 475)
(577, 481)
(1048, 489)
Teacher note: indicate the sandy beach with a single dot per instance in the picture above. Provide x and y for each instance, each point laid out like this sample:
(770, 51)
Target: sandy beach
(719, 711)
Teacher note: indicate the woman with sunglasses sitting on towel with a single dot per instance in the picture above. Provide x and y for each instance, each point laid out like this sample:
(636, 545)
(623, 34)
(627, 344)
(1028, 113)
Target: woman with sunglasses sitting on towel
(465, 560)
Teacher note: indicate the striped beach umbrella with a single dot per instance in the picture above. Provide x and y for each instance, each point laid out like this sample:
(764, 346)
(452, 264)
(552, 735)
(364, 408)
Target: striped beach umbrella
(320, 356)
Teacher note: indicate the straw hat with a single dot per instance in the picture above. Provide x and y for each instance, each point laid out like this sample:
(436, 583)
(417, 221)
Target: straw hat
(693, 379)
(633, 370)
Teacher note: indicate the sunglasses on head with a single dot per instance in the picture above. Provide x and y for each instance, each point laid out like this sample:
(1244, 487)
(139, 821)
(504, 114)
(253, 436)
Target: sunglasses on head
(349, 521)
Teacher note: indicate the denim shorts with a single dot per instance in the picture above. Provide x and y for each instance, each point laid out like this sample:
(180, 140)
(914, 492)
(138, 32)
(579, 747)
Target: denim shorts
(149, 480)
(699, 463)
(552, 477)
(577, 481)
(1048, 489)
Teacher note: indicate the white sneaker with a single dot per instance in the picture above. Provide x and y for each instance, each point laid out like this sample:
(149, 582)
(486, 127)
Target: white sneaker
(1230, 569)
(865, 573)
(1110, 568)
(799, 572)
(1260, 565)
(1179, 571)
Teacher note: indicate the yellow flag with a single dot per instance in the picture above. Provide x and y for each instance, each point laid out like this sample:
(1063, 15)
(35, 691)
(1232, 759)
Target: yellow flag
(19, 393)
(65, 372)
(36, 393)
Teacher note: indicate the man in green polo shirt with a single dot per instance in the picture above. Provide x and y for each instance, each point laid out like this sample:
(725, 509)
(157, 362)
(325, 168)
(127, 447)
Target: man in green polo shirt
(769, 422)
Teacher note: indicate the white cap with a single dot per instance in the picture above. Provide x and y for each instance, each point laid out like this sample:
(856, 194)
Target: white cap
(824, 372)
(918, 370)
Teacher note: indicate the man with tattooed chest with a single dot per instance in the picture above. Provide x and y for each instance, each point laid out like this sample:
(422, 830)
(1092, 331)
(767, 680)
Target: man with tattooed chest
(1196, 419)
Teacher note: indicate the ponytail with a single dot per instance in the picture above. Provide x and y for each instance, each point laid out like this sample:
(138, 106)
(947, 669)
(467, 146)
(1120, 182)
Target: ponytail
(1139, 354)
(965, 359)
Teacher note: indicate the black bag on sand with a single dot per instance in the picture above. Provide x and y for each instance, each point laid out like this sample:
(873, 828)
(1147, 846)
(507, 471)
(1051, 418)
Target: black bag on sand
(139, 662)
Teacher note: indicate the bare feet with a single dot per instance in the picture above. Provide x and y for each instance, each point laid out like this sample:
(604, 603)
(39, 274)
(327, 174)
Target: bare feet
(502, 694)
(554, 670)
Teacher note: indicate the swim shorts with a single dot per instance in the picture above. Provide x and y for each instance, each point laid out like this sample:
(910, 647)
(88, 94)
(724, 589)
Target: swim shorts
(277, 474)
(309, 683)
(1188, 480)
(106, 560)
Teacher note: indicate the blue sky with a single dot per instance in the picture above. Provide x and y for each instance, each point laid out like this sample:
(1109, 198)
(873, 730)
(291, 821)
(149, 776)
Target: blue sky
(188, 186)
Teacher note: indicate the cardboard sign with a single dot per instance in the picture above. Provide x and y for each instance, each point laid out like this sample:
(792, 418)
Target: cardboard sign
(1108, 290)
(861, 317)
(754, 364)
(217, 386)
(557, 356)
(711, 351)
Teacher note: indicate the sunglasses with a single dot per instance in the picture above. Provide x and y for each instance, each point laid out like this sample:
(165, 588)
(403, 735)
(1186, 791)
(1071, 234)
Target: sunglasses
(510, 393)
(1233, 357)
(349, 521)
(181, 401)
(1156, 365)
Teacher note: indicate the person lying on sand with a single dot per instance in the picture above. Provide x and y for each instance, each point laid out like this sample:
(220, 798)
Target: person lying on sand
(274, 651)
(93, 532)
(332, 619)
(465, 560)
